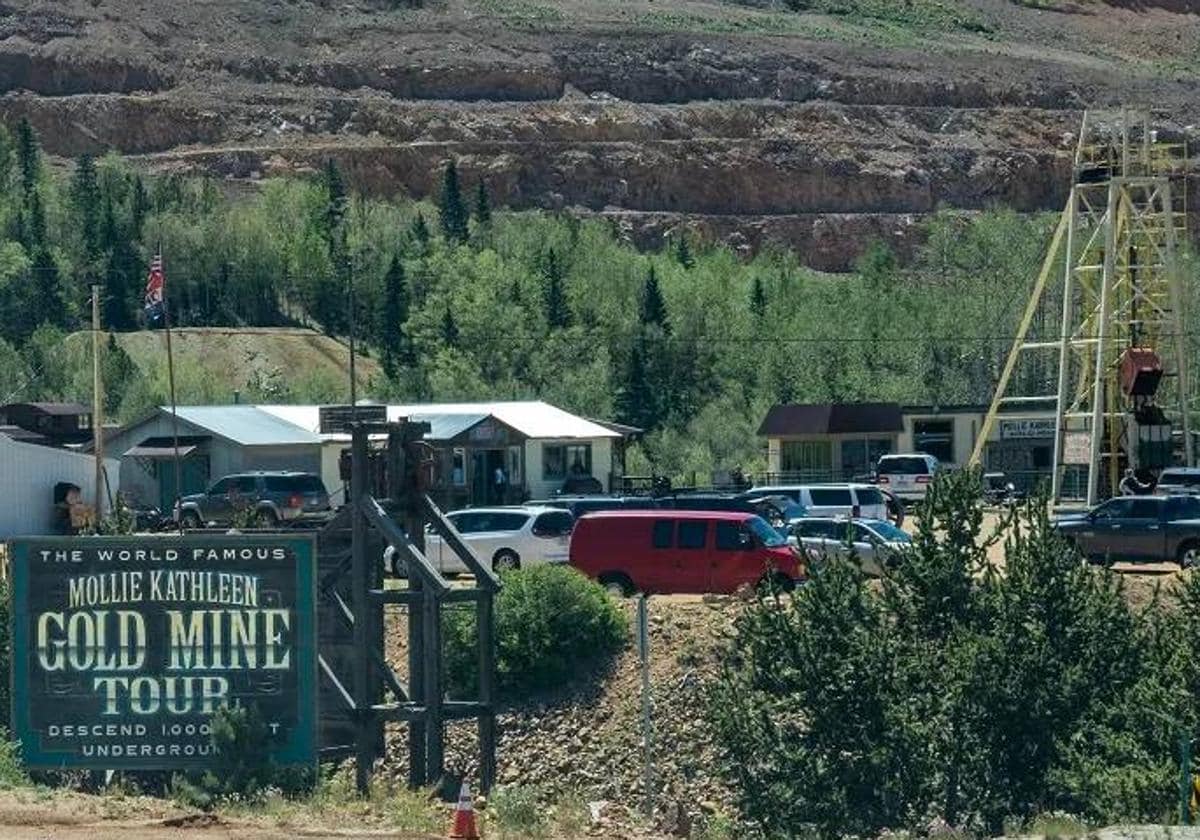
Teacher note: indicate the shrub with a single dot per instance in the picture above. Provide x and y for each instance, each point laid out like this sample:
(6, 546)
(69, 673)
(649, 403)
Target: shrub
(552, 624)
(243, 768)
(957, 692)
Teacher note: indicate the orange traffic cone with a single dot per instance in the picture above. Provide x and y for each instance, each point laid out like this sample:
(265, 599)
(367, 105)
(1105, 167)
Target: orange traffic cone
(463, 827)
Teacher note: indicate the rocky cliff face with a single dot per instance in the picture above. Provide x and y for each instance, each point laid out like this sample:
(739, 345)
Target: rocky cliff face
(821, 145)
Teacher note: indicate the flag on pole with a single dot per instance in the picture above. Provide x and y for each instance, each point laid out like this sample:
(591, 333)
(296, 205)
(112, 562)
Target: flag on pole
(154, 289)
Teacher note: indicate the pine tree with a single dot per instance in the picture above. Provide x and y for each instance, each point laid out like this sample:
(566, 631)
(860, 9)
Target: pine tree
(483, 205)
(452, 211)
(34, 222)
(419, 230)
(7, 148)
(335, 203)
(683, 252)
(449, 329)
(758, 298)
(392, 340)
(635, 400)
(29, 157)
(654, 308)
(47, 305)
(85, 197)
(139, 207)
(558, 311)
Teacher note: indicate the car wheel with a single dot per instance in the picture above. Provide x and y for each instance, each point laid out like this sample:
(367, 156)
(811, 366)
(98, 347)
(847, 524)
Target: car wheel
(618, 585)
(191, 520)
(266, 518)
(1189, 554)
(505, 560)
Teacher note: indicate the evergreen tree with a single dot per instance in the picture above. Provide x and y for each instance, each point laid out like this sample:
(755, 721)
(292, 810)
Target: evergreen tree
(758, 298)
(558, 311)
(47, 305)
(85, 198)
(635, 400)
(654, 308)
(139, 207)
(29, 157)
(419, 230)
(335, 203)
(6, 159)
(683, 252)
(449, 329)
(395, 352)
(34, 222)
(452, 212)
(514, 291)
(483, 205)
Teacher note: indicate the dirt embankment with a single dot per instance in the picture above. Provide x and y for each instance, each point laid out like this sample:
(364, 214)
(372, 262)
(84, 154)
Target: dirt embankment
(818, 133)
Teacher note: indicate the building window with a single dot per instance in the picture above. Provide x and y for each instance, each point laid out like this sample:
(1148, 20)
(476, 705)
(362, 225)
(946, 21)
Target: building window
(936, 438)
(859, 457)
(84, 421)
(809, 458)
(563, 460)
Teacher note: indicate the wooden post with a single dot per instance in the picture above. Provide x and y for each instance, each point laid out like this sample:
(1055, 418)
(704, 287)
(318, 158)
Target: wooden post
(364, 744)
(97, 403)
(435, 734)
(487, 692)
(401, 485)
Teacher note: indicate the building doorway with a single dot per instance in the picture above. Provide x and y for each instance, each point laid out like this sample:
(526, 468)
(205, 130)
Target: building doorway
(485, 490)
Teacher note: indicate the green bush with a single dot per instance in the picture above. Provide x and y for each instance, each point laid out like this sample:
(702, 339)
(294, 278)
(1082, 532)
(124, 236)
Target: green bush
(552, 624)
(958, 692)
(242, 768)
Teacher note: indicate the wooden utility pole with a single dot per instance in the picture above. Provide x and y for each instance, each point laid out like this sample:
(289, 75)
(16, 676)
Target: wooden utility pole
(97, 401)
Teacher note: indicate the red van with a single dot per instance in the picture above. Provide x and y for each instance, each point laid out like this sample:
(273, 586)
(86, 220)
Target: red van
(682, 551)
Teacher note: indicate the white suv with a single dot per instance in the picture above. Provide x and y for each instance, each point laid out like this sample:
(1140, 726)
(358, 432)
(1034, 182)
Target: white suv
(857, 500)
(907, 476)
(505, 537)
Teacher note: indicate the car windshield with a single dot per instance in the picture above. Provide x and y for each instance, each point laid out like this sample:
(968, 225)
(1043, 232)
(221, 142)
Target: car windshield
(765, 533)
(888, 531)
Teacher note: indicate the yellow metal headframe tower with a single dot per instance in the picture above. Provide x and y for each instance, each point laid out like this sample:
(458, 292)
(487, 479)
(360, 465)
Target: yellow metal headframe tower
(1120, 354)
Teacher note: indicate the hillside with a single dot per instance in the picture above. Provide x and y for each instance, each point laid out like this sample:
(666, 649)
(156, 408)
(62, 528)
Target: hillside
(819, 129)
(258, 363)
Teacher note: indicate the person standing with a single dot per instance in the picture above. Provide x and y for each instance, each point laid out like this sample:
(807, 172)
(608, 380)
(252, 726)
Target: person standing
(500, 485)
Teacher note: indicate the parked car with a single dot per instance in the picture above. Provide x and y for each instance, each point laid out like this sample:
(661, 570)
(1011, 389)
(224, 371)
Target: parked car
(845, 500)
(664, 551)
(998, 490)
(779, 511)
(275, 498)
(1152, 529)
(1176, 481)
(908, 476)
(506, 537)
(579, 505)
(871, 543)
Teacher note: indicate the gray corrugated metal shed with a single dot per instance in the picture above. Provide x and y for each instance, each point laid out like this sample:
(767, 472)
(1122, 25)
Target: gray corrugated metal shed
(245, 424)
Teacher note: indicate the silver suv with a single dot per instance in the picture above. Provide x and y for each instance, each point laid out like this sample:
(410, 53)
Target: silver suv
(270, 498)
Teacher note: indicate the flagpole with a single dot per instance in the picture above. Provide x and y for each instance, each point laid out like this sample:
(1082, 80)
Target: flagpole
(171, 386)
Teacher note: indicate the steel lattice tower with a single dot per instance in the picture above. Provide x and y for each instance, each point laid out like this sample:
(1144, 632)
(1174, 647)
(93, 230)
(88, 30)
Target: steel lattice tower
(1116, 253)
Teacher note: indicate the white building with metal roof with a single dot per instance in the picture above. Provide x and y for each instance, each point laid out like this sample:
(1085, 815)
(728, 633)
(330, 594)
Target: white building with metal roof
(539, 448)
(487, 452)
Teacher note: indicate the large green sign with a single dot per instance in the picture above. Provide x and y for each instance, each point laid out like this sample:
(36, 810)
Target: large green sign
(123, 647)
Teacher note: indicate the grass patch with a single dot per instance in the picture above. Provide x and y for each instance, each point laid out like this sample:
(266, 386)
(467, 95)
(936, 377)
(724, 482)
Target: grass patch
(521, 14)
(1056, 825)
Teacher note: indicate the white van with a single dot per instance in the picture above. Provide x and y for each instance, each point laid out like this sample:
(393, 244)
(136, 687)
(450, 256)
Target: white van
(907, 476)
(854, 500)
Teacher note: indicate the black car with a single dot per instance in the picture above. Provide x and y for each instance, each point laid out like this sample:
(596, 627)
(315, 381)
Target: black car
(1152, 529)
(579, 505)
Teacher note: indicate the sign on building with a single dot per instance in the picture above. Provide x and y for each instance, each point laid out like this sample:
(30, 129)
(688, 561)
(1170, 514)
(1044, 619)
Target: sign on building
(124, 647)
(1077, 448)
(1026, 429)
